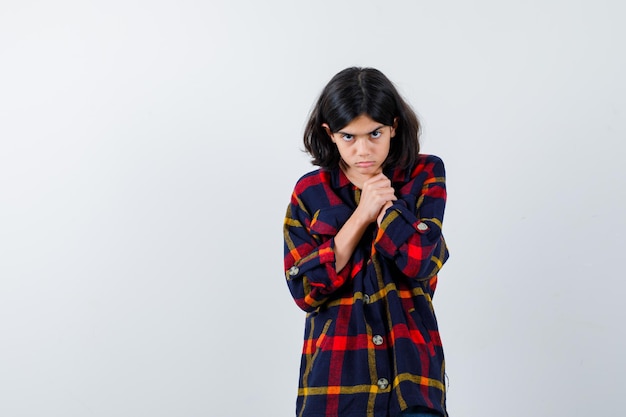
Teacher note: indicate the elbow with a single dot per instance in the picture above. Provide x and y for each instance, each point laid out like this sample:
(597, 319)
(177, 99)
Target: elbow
(428, 267)
(304, 306)
(428, 270)
(431, 267)
(306, 297)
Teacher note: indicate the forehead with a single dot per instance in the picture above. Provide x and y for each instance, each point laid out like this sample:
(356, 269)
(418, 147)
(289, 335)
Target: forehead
(361, 125)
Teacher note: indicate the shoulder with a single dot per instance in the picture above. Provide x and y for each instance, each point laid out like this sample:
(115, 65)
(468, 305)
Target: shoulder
(313, 179)
(317, 190)
(426, 166)
(431, 165)
(313, 187)
(424, 160)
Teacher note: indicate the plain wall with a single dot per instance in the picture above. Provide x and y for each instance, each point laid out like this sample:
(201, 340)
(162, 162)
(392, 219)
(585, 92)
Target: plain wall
(148, 150)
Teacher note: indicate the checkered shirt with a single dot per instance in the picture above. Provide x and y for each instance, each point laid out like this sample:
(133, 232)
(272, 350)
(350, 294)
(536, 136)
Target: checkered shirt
(371, 343)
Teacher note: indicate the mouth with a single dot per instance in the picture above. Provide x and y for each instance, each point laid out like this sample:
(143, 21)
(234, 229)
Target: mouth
(365, 164)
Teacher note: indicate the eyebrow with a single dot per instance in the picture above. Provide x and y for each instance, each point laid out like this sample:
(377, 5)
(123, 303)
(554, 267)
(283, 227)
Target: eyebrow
(368, 133)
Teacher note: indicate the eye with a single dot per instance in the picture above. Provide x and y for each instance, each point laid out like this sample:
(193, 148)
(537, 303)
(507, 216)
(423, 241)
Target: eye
(347, 137)
(376, 134)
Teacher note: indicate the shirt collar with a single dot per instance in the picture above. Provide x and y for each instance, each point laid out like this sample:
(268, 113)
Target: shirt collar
(338, 178)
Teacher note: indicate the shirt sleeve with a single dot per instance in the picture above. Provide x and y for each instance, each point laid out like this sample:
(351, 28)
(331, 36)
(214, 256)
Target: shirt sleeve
(410, 233)
(310, 253)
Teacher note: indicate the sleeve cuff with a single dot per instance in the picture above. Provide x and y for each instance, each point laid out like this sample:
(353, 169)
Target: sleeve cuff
(319, 268)
(399, 224)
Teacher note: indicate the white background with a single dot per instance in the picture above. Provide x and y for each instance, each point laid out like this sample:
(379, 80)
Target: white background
(148, 150)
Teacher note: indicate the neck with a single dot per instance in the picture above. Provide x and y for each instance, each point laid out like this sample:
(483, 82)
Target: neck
(356, 179)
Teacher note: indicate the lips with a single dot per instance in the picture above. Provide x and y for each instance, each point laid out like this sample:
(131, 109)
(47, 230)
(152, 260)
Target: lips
(366, 164)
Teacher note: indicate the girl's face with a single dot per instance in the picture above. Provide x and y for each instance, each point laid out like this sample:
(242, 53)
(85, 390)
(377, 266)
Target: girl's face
(363, 145)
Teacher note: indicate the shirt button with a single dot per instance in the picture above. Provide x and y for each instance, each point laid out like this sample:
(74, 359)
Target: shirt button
(366, 298)
(383, 383)
(422, 227)
(293, 271)
(377, 339)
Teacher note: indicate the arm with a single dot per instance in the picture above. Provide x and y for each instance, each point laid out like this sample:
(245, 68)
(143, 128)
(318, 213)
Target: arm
(310, 254)
(410, 233)
(347, 239)
(376, 192)
(319, 247)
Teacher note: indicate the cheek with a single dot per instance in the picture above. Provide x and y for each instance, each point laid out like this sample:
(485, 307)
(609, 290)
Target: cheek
(387, 148)
(344, 153)
(342, 148)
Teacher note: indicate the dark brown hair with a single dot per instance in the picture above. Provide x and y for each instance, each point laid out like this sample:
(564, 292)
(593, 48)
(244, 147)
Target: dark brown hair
(361, 91)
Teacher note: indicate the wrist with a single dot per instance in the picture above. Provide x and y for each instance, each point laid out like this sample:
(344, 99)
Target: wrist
(359, 220)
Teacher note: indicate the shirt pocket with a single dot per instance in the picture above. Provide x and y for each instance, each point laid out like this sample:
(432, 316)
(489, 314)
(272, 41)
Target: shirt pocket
(326, 222)
(320, 360)
(426, 332)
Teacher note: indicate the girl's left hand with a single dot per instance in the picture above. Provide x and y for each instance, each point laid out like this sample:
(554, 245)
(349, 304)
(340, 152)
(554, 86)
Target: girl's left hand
(379, 219)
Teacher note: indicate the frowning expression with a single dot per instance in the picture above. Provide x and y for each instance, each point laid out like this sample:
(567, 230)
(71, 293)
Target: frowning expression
(363, 145)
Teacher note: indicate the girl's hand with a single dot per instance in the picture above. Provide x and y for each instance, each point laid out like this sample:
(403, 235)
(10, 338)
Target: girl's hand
(379, 219)
(376, 196)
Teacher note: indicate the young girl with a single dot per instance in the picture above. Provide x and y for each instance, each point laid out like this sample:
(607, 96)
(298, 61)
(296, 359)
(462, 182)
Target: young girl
(363, 247)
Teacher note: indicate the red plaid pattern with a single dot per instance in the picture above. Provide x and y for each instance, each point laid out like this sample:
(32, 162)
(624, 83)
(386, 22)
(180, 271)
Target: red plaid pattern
(371, 344)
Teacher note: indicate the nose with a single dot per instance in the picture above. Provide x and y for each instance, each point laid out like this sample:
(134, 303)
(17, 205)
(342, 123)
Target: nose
(363, 148)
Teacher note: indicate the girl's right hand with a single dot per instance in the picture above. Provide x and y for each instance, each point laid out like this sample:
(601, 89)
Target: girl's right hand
(375, 194)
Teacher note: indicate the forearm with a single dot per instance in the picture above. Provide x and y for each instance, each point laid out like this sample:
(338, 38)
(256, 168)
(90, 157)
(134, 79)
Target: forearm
(310, 263)
(347, 239)
(415, 244)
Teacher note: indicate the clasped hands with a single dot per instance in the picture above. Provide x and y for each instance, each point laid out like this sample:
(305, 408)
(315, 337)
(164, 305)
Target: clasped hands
(377, 195)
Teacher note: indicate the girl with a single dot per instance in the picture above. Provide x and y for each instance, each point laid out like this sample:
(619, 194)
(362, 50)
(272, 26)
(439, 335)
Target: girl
(363, 247)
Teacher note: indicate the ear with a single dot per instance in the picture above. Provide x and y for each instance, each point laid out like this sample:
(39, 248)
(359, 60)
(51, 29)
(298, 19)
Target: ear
(394, 127)
(328, 131)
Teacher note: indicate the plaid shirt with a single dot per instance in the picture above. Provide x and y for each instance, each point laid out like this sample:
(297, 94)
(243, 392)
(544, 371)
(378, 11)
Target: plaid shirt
(372, 346)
